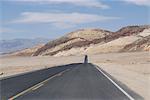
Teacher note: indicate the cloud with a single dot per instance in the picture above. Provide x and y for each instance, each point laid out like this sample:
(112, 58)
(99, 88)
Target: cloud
(61, 19)
(138, 2)
(85, 3)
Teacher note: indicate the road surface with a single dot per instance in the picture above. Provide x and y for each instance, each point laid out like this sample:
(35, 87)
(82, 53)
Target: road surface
(74, 82)
(16, 84)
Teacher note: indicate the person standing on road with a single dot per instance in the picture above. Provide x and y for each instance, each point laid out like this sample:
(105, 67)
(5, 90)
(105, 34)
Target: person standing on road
(86, 59)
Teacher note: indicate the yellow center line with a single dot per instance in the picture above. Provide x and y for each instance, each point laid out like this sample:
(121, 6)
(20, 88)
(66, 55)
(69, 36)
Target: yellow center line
(37, 85)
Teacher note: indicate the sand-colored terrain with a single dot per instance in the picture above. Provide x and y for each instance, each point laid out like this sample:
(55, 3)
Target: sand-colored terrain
(113, 46)
(132, 69)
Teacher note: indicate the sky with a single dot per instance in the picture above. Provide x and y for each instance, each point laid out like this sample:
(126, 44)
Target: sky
(54, 18)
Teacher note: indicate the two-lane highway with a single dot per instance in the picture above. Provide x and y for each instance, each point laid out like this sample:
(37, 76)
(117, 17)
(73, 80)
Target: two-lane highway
(82, 82)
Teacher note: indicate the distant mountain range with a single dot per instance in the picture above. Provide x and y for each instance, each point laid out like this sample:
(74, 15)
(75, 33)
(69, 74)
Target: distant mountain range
(7, 46)
(94, 41)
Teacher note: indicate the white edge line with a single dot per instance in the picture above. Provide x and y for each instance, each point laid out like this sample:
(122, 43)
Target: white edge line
(38, 84)
(130, 97)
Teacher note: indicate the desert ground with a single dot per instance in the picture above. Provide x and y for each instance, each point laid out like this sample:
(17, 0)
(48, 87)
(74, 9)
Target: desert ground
(132, 69)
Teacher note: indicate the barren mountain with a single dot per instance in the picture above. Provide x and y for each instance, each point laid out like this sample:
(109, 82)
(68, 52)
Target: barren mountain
(77, 39)
(92, 41)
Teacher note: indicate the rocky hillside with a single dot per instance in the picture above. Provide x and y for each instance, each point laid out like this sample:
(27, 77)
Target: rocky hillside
(93, 41)
(77, 39)
(142, 44)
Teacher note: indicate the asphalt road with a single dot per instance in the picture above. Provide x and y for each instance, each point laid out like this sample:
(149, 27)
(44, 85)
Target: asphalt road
(76, 82)
(68, 82)
(13, 85)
